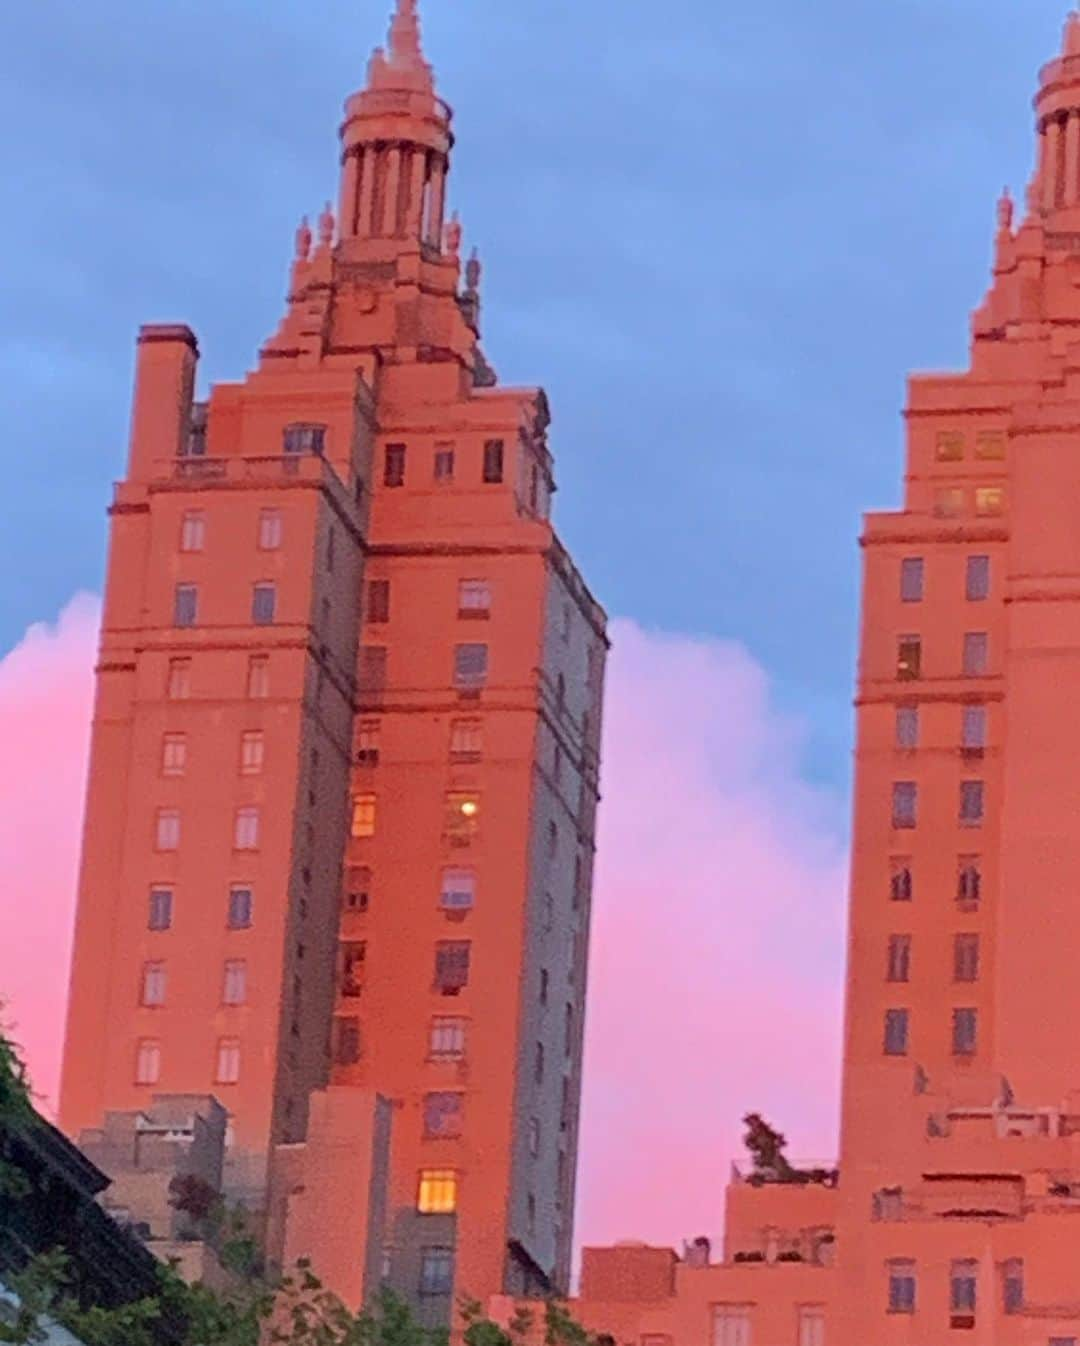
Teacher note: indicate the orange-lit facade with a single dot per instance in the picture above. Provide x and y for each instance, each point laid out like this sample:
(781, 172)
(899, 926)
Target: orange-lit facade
(345, 760)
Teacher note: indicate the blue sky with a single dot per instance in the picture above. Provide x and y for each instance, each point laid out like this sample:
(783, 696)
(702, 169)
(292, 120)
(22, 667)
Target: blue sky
(718, 233)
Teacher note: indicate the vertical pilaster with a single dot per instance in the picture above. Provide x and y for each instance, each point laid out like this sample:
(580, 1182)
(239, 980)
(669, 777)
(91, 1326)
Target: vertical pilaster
(390, 200)
(364, 225)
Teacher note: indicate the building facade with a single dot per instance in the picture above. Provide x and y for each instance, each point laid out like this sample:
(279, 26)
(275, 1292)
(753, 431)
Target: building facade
(345, 761)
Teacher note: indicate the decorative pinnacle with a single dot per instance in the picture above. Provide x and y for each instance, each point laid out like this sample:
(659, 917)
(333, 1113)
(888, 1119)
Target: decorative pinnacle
(1071, 40)
(1005, 211)
(404, 41)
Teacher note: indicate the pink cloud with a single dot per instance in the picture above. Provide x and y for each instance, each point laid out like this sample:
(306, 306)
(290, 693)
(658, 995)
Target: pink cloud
(717, 943)
(46, 700)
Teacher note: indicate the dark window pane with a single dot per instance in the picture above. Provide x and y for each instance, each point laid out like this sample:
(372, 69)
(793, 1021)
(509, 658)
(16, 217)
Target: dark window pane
(263, 604)
(896, 1032)
(493, 461)
(394, 465)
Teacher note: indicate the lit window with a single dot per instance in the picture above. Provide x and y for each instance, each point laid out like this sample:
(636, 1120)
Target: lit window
(968, 880)
(965, 1024)
(148, 1061)
(153, 984)
(444, 463)
(363, 816)
(444, 1114)
(973, 732)
(462, 814)
(474, 599)
(159, 916)
(949, 446)
(911, 579)
(178, 686)
(173, 754)
(990, 445)
(452, 958)
(966, 958)
(898, 966)
(246, 829)
(353, 960)
(900, 881)
(905, 803)
(270, 529)
(234, 987)
(972, 802)
(367, 743)
(263, 603)
(976, 656)
(378, 601)
(436, 1271)
(241, 908)
(493, 461)
(193, 531)
(901, 1286)
(447, 1039)
(948, 502)
(299, 439)
(989, 500)
(394, 465)
(458, 890)
(896, 1032)
(907, 726)
(437, 1191)
(258, 680)
(227, 1064)
(1012, 1285)
(731, 1325)
(977, 579)
(908, 657)
(251, 753)
(346, 1041)
(470, 665)
(466, 740)
(167, 830)
(185, 605)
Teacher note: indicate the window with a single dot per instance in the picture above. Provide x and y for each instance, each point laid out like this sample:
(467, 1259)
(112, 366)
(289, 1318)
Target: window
(899, 960)
(258, 679)
(346, 1041)
(241, 908)
(193, 530)
(901, 1286)
(246, 829)
(474, 599)
(908, 657)
(185, 605)
(159, 916)
(437, 1191)
(447, 1039)
(363, 815)
(948, 502)
(152, 991)
(949, 446)
(968, 880)
(888, 1204)
(227, 1063)
(466, 740)
(538, 1063)
(545, 982)
(990, 445)
(378, 601)
(900, 881)
(372, 668)
(962, 1288)
(907, 726)
(971, 803)
(367, 743)
(965, 1028)
(904, 803)
(896, 1032)
(234, 988)
(178, 685)
(394, 465)
(977, 579)
(358, 893)
(530, 1213)
(470, 665)
(811, 1326)
(462, 816)
(731, 1325)
(568, 1030)
(263, 603)
(444, 464)
(443, 1115)
(270, 529)
(976, 654)
(911, 579)
(1012, 1285)
(251, 753)
(451, 966)
(973, 731)
(966, 958)
(353, 959)
(436, 1271)
(304, 439)
(458, 890)
(173, 755)
(148, 1061)
(989, 500)
(493, 461)
(167, 831)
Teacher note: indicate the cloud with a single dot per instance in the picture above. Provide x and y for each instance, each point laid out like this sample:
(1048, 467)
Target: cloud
(716, 963)
(46, 699)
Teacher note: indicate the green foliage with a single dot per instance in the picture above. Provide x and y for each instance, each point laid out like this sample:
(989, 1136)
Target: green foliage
(16, 1112)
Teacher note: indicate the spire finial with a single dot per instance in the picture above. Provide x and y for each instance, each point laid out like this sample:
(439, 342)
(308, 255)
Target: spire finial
(1005, 210)
(404, 41)
(303, 240)
(1071, 41)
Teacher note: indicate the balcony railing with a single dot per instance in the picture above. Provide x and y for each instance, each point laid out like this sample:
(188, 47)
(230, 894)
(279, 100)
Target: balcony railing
(271, 468)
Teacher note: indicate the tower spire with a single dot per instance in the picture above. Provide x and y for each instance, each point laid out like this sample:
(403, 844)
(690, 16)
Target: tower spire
(404, 41)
